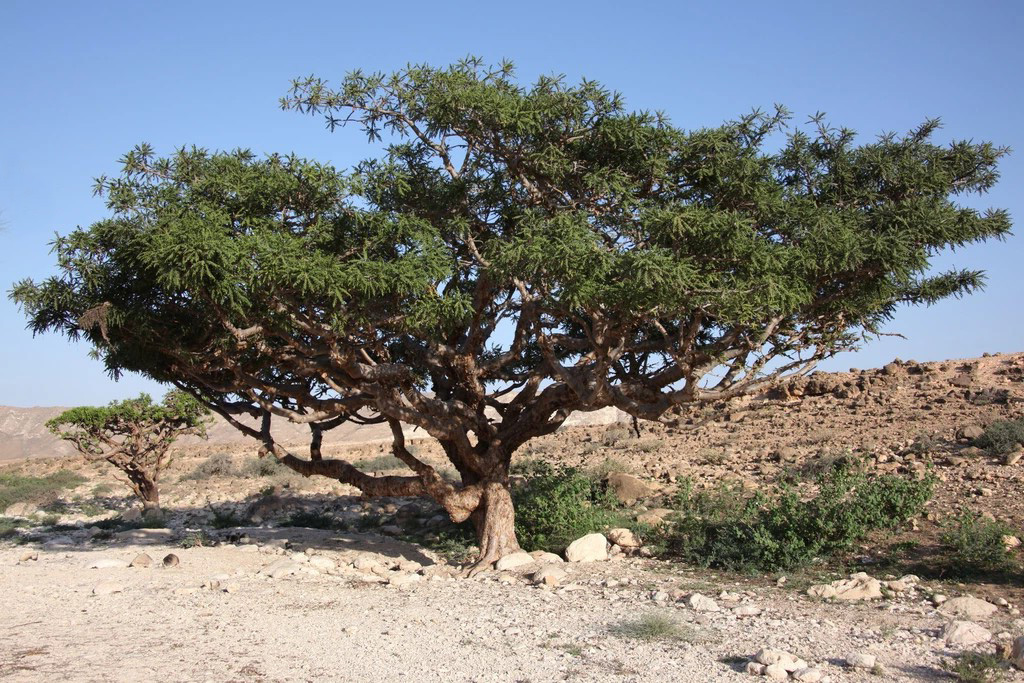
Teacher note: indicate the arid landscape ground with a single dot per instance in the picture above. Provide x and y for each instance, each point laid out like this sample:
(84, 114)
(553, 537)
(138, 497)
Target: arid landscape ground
(248, 598)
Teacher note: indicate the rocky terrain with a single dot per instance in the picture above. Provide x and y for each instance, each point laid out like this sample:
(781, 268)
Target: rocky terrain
(227, 591)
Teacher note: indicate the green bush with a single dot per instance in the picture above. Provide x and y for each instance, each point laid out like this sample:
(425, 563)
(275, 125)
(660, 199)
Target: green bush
(16, 488)
(217, 465)
(312, 520)
(1002, 436)
(556, 506)
(974, 545)
(254, 468)
(724, 529)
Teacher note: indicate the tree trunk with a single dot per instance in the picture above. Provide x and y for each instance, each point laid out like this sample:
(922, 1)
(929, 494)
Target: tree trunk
(495, 523)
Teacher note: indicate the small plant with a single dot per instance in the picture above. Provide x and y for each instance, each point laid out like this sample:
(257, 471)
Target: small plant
(555, 507)
(976, 545)
(217, 465)
(651, 627)
(225, 519)
(976, 667)
(196, 539)
(1002, 437)
(9, 527)
(254, 468)
(381, 463)
(312, 520)
(16, 488)
(783, 531)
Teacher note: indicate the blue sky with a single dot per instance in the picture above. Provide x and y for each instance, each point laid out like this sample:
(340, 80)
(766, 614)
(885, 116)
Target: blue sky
(84, 82)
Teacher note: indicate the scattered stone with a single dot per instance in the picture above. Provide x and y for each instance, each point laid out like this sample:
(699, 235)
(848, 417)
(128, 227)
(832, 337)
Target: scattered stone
(627, 488)
(808, 675)
(965, 634)
(755, 668)
(410, 566)
(549, 575)
(365, 564)
(702, 603)
(107, 563)
(859, 586)
(971, 432)
(746, 610)
(784, 660)
(590, 548)
(171, 560)
(324, 564)
(107, 587)
(403, 580)
(30, 556)
(512, 561)
(860, 660)
(971, 609)
(938, 599)
(776, 672)
(624, 538)
(141, 560)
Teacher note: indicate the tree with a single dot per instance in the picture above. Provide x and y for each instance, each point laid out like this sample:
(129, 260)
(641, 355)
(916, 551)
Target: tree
(517, 253)
(134, 436)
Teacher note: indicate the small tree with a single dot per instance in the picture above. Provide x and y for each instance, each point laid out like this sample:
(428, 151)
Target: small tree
(134, 436)
(519, 253)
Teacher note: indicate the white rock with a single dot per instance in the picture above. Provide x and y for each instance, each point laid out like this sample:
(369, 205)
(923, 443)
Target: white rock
(755, 669)
(965, 634)
(549, 575)
(107, 587)
(281, 568)
(972, 609)
(324, 564)
(860, 660)
(403, 580)
(785, 660)
(808, 675)
(859, 586)
(702, 603)
(776, 672)
(590, 548)
(512, 561)
(546, 558)
(746, 610)
(107, 563)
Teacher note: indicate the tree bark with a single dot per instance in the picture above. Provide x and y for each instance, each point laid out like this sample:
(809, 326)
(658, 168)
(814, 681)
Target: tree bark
(495, 523)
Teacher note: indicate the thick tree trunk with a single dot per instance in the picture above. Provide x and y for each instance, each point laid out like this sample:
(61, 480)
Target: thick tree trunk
(495, 523)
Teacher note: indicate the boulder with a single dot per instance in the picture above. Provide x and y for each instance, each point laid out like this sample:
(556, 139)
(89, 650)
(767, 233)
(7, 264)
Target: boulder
(780, 658)
(171, 560)
(965, 634)
(654, 517)
(702, 603)
(860, 660)
(970, 609)
(859, 586)
(971, 432)
(141, 560)
(512, 561)
(281, 568)
(546, 557)
(1017, 652)
(323, 564)
(808, 675)
(624, 538)
(549, 575)
(590, 548)
(627, 488)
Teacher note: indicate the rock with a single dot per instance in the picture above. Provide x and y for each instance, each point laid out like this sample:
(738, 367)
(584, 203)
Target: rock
(171, 560)
(1011, 542)
(1017, 652)
(755, 669)
(627, 488)
(546, 558)
(970, 609)
(965, 634)
(281, 568)
(324, 564)
(107, 587)
(938, 599)
(512, 561)
(365, 564)
(30, 556)
(624, 538)
(654, 517)
(107, 563)
(746, 610)
(892, 369)
(549, 575)
(859, 660)
(780, 658)
(390, 530)
(20, 510)
(410, 566)
(859, 586)
(808, 675)
(141, 560)
(590, 548)
(702, 603)
(403, 580)
(971, 432)
(776, 672)
(1014, 457)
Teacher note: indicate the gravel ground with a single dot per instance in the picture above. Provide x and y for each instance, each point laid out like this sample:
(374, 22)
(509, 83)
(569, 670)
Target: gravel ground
(218, 616)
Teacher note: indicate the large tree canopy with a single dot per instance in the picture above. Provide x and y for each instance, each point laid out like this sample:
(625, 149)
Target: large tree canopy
(518, 253)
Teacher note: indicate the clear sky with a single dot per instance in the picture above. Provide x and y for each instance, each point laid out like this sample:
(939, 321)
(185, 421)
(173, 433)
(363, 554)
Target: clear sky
(84, 82)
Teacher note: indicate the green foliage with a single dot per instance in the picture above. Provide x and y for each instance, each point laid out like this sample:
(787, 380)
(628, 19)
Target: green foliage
(652, 627)
(223, 518)
(15, 488)
(556, 506)
(975, 545)
(977, 667)
(9, 527)
(1002, 436)
(197, 539)
(783, 531)
(253, 468)
(85, 425)
(312, 520)
(217, 465)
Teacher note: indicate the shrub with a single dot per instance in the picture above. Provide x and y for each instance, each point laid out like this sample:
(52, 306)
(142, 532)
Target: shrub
(556, 506)
(764, 532)
(254, 468)
(977, 667)
(652, 627)
(1002, 436)
(312, 520)
(16, 488)
(217, 465)
(975, 545)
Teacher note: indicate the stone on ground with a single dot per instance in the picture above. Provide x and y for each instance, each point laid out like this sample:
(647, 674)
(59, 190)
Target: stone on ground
(512, 561)
(623, 538)
(965, 634)
(590, 548)
(971, 609)
(859, 586)
(627, 488)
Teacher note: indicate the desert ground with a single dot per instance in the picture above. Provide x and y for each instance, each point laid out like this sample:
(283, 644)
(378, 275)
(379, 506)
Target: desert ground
(231, 587)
